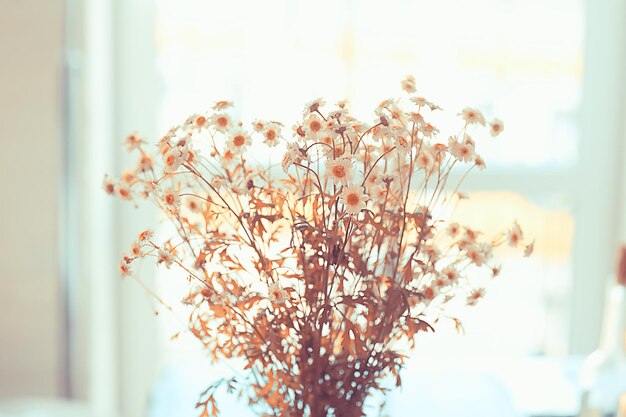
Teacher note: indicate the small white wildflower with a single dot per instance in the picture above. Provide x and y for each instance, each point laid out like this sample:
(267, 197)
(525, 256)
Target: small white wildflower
(165, 257)
(339, 170)
(496, 127)
(472, 116)
(354, 198)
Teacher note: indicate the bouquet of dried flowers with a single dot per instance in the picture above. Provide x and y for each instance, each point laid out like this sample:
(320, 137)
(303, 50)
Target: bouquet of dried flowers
(317, 276)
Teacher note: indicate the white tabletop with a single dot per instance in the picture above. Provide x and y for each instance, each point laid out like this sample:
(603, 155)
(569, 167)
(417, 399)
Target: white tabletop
(498, 388)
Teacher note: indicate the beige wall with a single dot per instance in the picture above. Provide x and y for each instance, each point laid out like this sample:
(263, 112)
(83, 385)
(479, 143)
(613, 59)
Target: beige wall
(31, 36)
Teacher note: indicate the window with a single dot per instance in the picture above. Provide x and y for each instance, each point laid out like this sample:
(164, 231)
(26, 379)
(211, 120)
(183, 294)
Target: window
(501, 56)
(271, 61)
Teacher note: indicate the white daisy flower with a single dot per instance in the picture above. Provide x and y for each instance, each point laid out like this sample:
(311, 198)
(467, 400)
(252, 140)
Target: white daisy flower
(173, 159)
(342, 104)
(461, 150)
(222, 105)
(419, 101)
(108, 185)
(375, 177)
(294, 155)
(426, 158)
(453, 229)
(238, 141)
(339, 170)
(145, 162)
(133, 141)
(472, 116)
(470, 236)
(474, 296)
(385, 103)
(277, 294)
(165, 257)
(193, 204)
(433, 106)
(135, 249)
(221, 121)
(384, 120)
(313, 127)
(199, 121)
(467, 139)
(487, 250)
(187, 153)
(171, 199)
(258, 126)
(353, 198)
(124, 269)
(408, 84)
(496, 127)
(479, 162)
(402, 144)
(379, 192)
(271, 135)
(228, 158)
(327, 137)
(338, 114)
(398, 114)
(124, 192)
(313, 106)
(129, 177)
(475, 254)
(145, 236)
(514, 236)
(428, 130)
(450, 274)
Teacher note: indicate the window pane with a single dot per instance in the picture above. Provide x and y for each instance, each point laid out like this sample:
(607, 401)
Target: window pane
(502, 56)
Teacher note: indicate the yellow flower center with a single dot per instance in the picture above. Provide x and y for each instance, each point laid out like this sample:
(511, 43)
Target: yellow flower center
(222, 121)
(239, 141)
(429, 293)
(353, 199)
(270, 134)
(339, 171)
(315, 126)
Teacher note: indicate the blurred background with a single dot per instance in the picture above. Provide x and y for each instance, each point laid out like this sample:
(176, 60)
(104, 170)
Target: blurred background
(77, 76)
